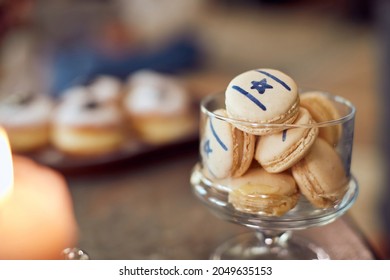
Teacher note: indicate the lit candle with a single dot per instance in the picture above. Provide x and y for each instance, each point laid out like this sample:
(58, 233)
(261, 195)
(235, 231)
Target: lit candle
(36, 213)
(6, 170)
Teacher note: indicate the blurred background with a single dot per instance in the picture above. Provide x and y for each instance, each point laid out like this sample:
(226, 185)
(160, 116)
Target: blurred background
(340, 46)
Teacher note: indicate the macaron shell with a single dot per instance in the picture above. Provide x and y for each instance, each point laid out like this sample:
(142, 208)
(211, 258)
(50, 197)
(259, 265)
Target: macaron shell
(260, 192)
(226, 151)
(243, 151)
(291, 115)
(217, 147)
(262, 96)
(278, 152)
(321, 176)
(322, 109)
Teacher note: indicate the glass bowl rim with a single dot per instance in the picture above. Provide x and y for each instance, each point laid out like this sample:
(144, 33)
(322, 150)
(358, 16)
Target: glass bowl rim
(336, 98)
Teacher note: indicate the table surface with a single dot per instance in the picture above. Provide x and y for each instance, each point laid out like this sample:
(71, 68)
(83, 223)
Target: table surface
(146, 210)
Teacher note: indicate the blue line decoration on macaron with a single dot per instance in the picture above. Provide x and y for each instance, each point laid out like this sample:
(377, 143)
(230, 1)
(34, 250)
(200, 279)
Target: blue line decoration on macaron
(261, 86)
(217, 137)
(250, 97)
(211, 172)
(275, 79)
(284, 135)
(206, 147)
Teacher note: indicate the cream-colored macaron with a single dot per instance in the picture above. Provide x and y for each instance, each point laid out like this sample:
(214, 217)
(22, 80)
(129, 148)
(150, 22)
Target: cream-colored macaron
(226, 151)
(260, 192)
(321, 176)
(279, 151)
(262, 96)
(323, 109)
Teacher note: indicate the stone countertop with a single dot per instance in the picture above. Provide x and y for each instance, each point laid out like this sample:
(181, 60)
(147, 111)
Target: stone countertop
(146, 210)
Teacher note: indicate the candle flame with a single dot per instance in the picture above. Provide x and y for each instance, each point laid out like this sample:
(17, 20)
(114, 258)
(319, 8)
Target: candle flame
(6, 168)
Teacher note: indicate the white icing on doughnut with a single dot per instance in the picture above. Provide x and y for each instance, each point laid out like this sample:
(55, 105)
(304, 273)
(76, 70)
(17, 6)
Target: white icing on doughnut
(153, 93)
(75, 95)
(78, 114)
(106, 88)
(19, 114)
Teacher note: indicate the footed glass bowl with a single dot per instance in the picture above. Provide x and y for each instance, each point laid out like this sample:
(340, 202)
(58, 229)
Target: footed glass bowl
(272, 236)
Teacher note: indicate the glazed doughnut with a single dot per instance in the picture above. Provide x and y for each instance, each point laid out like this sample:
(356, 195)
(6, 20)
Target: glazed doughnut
(158, 107)
(82, 125)
(25, 117)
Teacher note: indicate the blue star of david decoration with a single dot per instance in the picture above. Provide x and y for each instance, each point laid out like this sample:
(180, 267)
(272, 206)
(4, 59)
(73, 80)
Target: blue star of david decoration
(284, 135)
(206, 148)
(260, 86)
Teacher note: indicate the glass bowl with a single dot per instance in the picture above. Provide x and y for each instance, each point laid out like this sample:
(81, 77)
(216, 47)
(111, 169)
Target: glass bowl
(272, 236)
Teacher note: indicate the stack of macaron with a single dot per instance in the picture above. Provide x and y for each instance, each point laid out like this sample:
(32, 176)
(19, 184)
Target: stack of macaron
(266, 147)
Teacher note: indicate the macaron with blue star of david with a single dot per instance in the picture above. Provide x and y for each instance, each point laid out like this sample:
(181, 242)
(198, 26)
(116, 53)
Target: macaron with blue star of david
(226, 151)
(262, 96)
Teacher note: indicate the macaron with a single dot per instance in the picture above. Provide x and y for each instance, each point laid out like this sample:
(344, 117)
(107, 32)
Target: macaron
(321, 176)
(323, 109)
(262, 96)
(226, 151)
(260, 192)
(279, 151)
